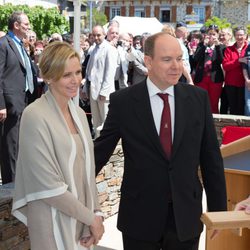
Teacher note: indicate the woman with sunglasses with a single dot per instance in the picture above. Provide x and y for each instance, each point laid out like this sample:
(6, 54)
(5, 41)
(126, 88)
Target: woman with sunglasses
(232, 65)
(208, 58)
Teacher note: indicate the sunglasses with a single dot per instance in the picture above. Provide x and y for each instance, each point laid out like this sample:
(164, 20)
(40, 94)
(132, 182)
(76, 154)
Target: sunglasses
(213, 26)
(181, 24)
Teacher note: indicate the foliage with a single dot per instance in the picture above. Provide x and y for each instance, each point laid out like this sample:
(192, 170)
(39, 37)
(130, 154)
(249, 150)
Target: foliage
(43, 21)
(97, 18)
(221, 23)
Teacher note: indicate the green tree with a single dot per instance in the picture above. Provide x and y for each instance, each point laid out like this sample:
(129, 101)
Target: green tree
(221, 23)
(43, 21)
(98, 17)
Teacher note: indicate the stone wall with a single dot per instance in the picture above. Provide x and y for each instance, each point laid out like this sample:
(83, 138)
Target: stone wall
(14, 235)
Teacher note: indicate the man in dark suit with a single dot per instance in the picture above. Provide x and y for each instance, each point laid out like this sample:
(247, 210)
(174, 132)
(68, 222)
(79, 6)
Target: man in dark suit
(161, 194)
(17, 89)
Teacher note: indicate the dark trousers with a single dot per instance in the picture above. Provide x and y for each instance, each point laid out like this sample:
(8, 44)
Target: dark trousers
(223, 102)
(9, 147)
(169, 240)
(236, 99)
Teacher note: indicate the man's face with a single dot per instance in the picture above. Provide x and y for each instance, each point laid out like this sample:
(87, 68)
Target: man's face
(166, 66)
(113, 33)
(98, 35)
(22, 28)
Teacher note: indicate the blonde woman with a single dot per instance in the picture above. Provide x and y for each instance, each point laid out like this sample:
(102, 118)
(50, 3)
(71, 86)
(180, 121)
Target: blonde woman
(55, 191)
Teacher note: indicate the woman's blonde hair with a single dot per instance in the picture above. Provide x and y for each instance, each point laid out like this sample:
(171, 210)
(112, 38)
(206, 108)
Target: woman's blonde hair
(53, 60)
(168, 29)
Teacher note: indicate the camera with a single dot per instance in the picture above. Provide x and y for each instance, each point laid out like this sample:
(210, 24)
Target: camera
(119, 43)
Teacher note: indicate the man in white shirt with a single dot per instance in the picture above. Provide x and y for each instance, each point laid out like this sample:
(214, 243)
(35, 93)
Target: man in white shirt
(100, 74)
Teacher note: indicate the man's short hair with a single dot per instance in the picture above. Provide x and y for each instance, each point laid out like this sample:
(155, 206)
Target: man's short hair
(150, 43)
(16, 16)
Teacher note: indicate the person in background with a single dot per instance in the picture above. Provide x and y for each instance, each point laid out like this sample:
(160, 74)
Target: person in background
(225, 37)
(38, 49)
(137, 42)
(167, 134)
(18, 88)
(84, 46)
(113, 35)
(2, 33)
(232, 65)
(32, 37)
(169, 29)
(181, 33)
(246, 73)
(193, 40)
(209, 75)
(139, 69)
(114, 23)
(100, 75)
(55, 189)
(125, 55)
(55, 37)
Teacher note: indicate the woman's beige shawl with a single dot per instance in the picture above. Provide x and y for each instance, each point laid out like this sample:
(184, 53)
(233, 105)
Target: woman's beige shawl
(45, 162)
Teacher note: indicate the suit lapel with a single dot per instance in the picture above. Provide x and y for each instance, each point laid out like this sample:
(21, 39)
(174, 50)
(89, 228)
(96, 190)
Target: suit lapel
(16, 51)
(181, 115)
(144, 113)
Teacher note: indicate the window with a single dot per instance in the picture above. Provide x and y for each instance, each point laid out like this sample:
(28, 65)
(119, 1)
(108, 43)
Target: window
(139, 12)
(200, 11)
(115, 11)
(165, 15)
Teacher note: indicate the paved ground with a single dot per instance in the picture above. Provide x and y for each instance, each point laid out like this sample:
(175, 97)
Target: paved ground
(112, 238)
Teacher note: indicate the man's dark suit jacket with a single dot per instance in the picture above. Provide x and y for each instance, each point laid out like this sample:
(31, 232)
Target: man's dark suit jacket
(144, 203)
(13, 78)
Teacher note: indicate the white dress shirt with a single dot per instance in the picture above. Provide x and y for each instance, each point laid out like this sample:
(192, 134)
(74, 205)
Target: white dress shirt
(157, 104)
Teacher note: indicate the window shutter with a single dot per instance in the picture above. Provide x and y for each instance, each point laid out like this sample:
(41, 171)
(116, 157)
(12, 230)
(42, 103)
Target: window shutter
(173, 14)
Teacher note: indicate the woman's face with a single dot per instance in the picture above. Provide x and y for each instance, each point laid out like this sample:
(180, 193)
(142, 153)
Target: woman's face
(225, 36)
(240, 36)
(67, 86)
(212, 36)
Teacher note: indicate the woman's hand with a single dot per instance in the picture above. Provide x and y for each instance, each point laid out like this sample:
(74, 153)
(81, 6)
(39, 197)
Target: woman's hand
(87, 241)
(97, 229)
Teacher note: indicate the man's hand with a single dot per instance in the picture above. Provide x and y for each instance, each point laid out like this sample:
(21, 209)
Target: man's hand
(3, 115)
(243, 206)
(87, 241)
(214, 234)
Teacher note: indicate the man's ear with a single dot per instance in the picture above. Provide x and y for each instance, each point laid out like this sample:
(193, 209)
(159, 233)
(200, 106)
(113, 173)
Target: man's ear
(148, 62)
(16, 25)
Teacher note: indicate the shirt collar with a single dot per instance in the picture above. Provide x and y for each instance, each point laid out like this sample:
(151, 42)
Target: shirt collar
(153, 90)
(14, 37)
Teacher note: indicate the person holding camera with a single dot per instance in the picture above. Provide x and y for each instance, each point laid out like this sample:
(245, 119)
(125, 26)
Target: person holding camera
(126, 54)
(208, 74)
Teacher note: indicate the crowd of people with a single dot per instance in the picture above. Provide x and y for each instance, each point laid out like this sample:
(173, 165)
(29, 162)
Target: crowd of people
(215, 60)
(164, 120)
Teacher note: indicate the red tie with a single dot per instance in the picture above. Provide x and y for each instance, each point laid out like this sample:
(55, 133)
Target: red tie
(165, 130)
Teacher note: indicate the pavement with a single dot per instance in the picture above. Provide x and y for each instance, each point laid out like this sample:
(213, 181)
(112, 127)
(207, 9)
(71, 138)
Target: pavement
(112, 238)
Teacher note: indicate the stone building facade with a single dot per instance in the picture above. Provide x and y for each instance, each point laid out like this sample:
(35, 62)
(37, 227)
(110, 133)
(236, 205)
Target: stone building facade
(172, 11)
